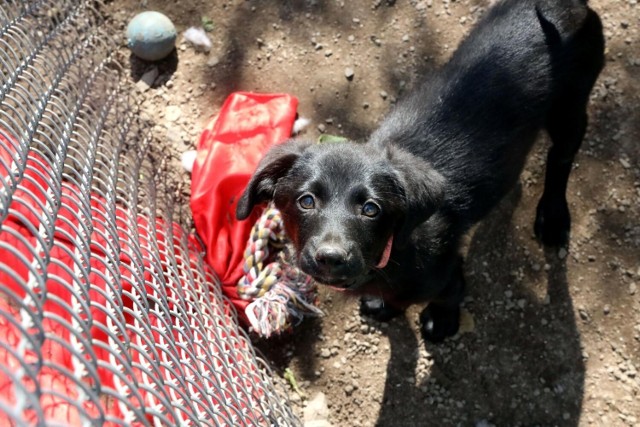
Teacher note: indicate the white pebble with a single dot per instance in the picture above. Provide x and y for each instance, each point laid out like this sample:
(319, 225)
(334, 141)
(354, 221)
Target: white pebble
(300, 123)
(198, 37)
(188, 159)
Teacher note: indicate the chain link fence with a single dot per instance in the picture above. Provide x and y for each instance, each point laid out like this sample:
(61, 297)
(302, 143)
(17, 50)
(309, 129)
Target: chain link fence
(108, 315)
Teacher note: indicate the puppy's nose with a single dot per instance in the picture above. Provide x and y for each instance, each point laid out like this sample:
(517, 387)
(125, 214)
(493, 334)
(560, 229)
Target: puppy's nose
(331, 256)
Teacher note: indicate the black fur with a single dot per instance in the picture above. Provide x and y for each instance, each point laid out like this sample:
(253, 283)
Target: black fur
(441, 160)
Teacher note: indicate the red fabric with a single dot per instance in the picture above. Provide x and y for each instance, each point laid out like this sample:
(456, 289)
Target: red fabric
(228, 152)
(55, 313)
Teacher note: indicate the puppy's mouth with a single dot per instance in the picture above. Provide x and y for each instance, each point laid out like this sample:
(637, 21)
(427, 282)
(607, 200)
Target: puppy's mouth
(344, 283)
(336, 283)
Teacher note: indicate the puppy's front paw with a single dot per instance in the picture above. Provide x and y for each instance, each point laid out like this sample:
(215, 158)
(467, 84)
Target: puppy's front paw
(377, 309)
(553, 223)
(438, 322)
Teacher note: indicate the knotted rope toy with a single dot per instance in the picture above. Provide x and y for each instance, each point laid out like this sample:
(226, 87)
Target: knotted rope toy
(281, 293)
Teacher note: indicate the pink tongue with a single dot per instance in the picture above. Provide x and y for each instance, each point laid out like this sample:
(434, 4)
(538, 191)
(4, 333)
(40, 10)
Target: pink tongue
(385, 255)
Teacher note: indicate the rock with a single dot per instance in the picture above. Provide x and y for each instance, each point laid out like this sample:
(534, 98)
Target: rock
(467, 322)
(147, 79)
(349, 389)
(625, 163)
(172, 113)
(583, 314)
(317, 409)
(632, 288)
(349, 73)
(562, 253)
(325, 353)
(213, 61)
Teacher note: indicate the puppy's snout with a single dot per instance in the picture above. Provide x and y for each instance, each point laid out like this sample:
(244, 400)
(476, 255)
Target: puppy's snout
(331, 256)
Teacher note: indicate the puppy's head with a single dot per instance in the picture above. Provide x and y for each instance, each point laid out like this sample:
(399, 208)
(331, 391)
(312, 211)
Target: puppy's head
(345, 206)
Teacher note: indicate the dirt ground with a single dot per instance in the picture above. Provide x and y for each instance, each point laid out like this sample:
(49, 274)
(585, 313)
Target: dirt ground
(555, 338)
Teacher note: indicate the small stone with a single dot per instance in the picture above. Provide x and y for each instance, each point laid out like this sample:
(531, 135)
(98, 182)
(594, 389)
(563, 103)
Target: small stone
(625, 163)
(606, 309)
(351, 39)
(383, 94)
(632, 288)
(147, 79)
(349, 389)
(172, 113)
(317, 408)
(508, 294)
(213, 61)
(325, 353)
(322, 128)
(562, 253)
(405, 38)
(467, 322)
(349, 73)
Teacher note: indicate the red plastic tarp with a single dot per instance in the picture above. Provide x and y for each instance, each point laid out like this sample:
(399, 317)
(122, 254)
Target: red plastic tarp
(228, 153)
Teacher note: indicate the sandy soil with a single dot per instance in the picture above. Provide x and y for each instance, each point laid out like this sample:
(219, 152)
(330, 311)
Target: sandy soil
(555, 338)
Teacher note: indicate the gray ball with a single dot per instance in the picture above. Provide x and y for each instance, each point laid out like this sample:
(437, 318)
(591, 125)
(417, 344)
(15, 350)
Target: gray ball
(151, 35)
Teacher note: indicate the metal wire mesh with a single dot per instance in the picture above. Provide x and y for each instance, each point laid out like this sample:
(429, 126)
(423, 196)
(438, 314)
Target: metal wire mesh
(107, 314)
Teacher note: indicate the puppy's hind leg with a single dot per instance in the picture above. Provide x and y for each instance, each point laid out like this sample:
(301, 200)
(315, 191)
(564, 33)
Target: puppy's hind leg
(553, 221)
(566, 125)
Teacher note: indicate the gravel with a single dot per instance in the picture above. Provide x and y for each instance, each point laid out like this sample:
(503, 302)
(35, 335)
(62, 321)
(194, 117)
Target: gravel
(535, 348)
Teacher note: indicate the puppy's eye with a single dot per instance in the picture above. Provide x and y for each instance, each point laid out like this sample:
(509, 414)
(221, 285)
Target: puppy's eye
(307, 202)
(370, 209)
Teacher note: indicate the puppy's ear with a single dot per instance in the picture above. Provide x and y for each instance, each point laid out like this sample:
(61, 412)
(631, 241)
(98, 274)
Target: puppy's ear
(423, 189)
(273, 166)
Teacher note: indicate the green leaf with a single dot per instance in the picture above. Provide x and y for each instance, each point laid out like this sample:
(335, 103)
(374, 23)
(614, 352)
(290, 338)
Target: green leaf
(332, 139)
(291, 378)
(207, 24)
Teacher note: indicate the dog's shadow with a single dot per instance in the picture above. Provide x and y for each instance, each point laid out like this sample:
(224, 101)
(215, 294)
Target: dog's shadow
(522, 362)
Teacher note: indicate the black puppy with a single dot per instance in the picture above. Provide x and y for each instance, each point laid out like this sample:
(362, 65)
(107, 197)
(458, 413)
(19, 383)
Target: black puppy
(384, 219)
